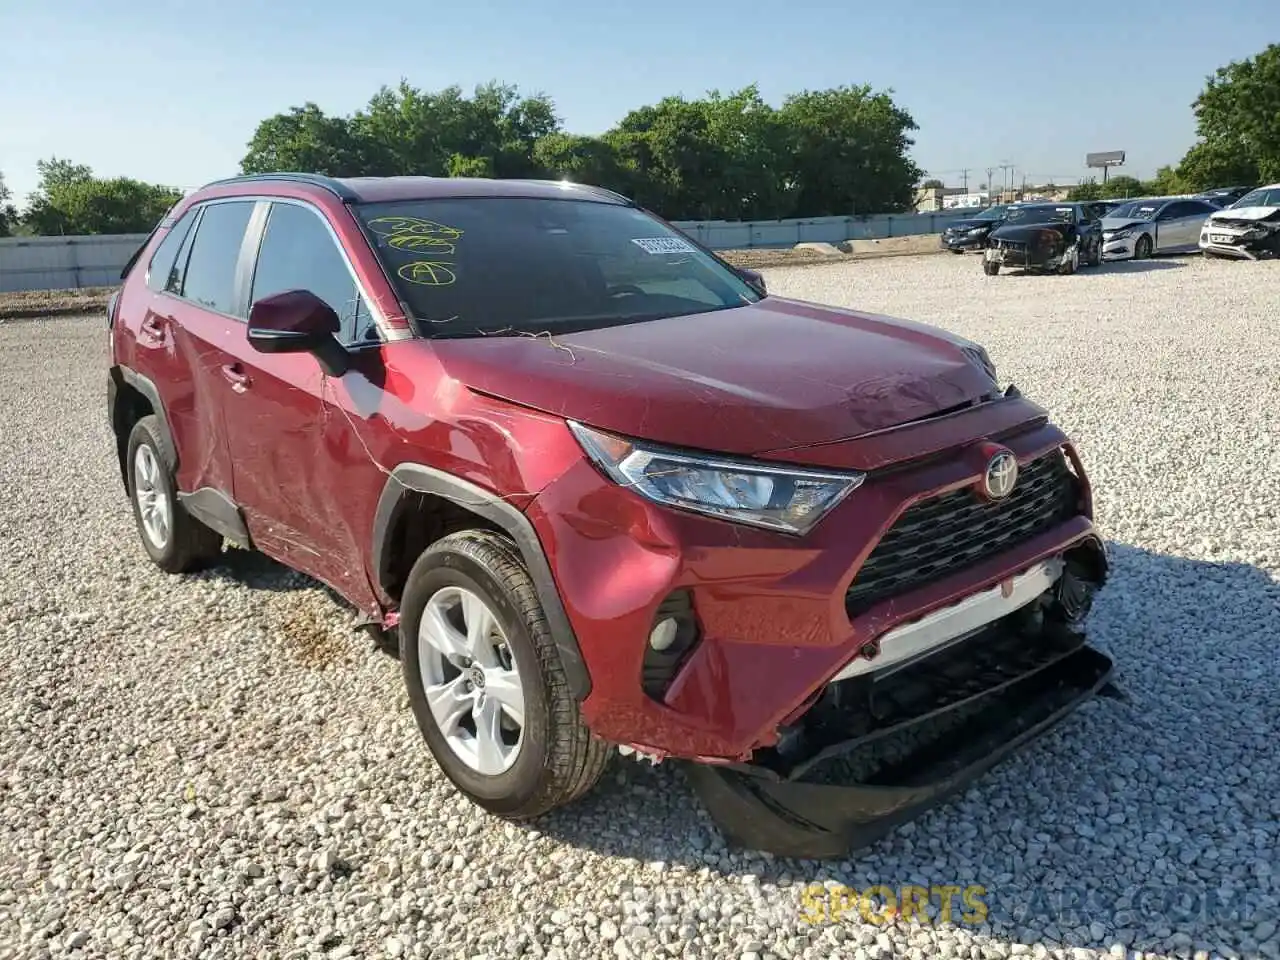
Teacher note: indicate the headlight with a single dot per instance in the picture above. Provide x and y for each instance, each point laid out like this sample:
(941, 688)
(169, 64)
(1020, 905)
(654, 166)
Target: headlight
(789, 499)
(974, 231)
(1117, 235)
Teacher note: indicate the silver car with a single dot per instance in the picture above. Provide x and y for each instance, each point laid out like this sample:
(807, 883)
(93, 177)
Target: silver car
(1139, 228)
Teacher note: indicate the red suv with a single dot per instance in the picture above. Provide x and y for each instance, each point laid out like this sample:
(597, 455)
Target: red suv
(609, 493)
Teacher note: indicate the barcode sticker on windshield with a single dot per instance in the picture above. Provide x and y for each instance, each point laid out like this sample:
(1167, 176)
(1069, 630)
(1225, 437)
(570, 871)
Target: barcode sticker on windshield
(664, 245)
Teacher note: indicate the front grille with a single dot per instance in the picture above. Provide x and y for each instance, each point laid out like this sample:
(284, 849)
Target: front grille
(941, 535)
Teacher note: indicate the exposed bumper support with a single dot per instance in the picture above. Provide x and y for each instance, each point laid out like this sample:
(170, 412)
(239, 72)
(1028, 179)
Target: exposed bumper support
(952, 624)
(819, 816)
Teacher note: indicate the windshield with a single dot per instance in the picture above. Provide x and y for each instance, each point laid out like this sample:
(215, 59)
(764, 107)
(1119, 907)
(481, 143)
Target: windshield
(467, 266)
(1041, 213)
(993, 213)
(1260, 198)
(1137, 210)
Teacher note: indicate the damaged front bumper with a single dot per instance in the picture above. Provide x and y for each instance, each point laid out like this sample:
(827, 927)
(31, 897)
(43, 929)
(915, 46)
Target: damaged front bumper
(880, 748)
(1260, 243)
(1014, 254)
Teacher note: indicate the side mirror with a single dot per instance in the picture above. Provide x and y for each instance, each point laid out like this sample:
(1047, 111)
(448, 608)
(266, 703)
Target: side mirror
(754, 279)
(297, 321)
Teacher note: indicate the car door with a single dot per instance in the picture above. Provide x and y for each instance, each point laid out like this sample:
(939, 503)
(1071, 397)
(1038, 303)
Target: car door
(1189, 220)
(292, 428)
(182, 335)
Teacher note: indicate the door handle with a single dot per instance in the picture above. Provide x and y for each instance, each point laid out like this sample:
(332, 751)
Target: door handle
(234, 374)
(153, 328)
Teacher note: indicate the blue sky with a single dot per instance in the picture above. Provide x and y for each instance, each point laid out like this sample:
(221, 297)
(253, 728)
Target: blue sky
(170, 92)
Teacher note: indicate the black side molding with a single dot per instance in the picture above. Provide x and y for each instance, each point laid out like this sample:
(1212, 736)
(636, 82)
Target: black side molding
(423, 479)
(215, 510)
(148, 389)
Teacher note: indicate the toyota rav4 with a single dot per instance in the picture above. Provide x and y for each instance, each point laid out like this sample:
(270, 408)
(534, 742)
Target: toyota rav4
(605, 492)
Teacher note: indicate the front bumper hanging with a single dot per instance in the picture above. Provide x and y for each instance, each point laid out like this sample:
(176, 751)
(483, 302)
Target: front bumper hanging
(924, 733)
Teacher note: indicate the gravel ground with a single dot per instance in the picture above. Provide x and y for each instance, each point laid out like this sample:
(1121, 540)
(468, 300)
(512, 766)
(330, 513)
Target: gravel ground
(217, 766)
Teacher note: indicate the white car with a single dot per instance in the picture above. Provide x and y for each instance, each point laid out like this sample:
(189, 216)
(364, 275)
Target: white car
(1139, 228)
(1248, 229)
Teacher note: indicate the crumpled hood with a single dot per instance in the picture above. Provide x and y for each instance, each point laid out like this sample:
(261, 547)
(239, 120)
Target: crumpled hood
(961, 226)
(751, 379)
(1245, 213)
(1026, 232)
(1119, 223)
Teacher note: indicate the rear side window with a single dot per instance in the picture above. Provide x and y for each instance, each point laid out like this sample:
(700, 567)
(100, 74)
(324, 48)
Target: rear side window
(161, 271)
(211, 269)
(299, 253)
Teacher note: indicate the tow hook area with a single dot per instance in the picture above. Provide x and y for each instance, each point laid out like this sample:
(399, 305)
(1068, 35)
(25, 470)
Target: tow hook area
(880, 752)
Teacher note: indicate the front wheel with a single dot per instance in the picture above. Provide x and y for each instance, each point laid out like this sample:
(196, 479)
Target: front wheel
(1070, 264)
(1142, 249)
(1095, 258)
(990, 268)
(486, 683)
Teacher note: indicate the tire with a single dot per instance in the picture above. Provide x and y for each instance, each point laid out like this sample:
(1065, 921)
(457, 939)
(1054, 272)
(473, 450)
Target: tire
(554, 759)
(1142, 249)
(1095, 258)
(990, 268)
(174, 540)
(1068, 267)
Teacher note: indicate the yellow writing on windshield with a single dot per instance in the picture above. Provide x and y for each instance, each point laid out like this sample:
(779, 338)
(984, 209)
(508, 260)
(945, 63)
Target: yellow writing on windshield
(417, 234)
(428, 273)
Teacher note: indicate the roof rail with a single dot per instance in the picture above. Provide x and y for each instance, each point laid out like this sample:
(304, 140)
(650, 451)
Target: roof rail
(336, 187)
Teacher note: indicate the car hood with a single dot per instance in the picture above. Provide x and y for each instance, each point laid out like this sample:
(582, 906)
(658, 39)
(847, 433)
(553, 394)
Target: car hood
(1245, 213)
(761, 377)
(1024, 232)
(1119, 223)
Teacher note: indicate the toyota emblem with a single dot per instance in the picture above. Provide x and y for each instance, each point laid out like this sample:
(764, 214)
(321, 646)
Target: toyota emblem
(1001, 475)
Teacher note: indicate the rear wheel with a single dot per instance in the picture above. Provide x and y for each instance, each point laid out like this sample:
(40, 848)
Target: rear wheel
(1070, 264)
(1095, 258)
(1142, 249)
(990, 268)
(174, 540)
(486, 683)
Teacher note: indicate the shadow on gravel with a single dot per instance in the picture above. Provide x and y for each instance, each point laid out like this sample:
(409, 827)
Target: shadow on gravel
(1132, 822)
(1139, 266)
(257, 571)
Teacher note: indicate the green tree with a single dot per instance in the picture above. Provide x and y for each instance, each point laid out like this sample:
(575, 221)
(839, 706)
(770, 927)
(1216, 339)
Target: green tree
(1088, 189)
(933, 183)
(1121, 187)
(306, 139)
(8, 215)
(848, 151)
(1166, 183)
(70, 200)
(1215, 163)
(1238, 123)
(593, 160)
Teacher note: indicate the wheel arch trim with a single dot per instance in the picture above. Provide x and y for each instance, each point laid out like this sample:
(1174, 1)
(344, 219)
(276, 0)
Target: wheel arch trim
(418, 478)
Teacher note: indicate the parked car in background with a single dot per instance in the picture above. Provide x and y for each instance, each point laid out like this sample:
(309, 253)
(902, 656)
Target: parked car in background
(1249, 229)
(1044, 237)
(1224, 196)
(605, 492)
(1140, 228)
(971, 233)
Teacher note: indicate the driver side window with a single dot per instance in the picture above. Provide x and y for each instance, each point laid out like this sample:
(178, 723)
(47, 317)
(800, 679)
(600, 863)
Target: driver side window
(299, 253)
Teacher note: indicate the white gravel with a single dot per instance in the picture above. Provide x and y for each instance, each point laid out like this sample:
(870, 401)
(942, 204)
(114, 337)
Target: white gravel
(215, 766)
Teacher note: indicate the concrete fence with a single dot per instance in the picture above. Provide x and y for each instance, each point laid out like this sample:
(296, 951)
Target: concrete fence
(66, 263)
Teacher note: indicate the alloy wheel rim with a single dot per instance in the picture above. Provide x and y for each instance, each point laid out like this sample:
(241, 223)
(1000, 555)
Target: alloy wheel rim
(153, 500)
(471, 680)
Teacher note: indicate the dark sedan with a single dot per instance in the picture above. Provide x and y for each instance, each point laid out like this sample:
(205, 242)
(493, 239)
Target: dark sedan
(971, 233)
(1044, 237)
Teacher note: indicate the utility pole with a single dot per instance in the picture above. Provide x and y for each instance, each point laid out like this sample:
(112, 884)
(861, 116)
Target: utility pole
(1005, 177)
(964, 179)
(991, 180)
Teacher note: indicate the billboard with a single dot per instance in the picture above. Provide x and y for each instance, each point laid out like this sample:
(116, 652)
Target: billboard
(1111, 158)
